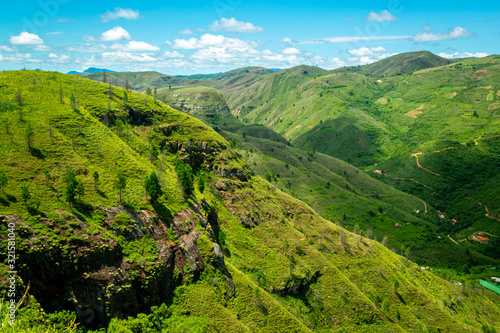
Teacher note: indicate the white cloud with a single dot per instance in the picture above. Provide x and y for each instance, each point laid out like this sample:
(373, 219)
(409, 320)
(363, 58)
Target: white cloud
(26, 38)
(290, 50)
(234, 25)
(112, 35)
(88, 47)
(454, 33)
(365, 51)
(288, 40)
(62, 59)
(120, 56)
(134, 46)
(348, 39)
(8, 49)
(185, 32)
(426, 28)
(463, 55)
(119, 13)
(208, 40)
(173, 54)
(383, 16)
(1, 57)
(378, 49)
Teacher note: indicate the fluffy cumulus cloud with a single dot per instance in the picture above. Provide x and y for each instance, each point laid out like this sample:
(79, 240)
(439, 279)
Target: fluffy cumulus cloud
(463, 55)
(112, 35)
(185, 32)
(119, 13)
(173, 54)
(26, 38)
(208, 40)
(383, 16)
(234, 25)
(291, 50)
(134, 46)
(58, 59)
(365, 51)
(454, 33)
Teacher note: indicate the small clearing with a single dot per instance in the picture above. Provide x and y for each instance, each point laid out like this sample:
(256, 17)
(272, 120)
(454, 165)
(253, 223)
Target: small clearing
(380, 81)
(450, 95)
(381, 100)
(490, 96)
(413, 113)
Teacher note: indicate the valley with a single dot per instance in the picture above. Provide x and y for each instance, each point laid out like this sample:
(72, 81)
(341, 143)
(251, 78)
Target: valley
(300, 199)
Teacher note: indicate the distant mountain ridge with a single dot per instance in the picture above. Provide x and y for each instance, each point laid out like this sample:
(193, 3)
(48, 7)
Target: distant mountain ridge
(92, 70)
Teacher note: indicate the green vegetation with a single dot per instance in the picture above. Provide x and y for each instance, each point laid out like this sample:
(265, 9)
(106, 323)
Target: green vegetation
(221, 249)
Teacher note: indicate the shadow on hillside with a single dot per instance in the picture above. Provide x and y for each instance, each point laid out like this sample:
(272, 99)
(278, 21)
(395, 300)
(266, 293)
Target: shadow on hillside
(10, 197)
(35, 152)
(4, 202)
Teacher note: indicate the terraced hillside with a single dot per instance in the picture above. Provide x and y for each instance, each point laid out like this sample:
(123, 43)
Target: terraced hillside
(218, 249)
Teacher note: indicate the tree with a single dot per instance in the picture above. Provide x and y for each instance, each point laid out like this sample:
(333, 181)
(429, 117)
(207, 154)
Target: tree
(29, 134)
(72, 99)
(72, 185)
(3, 181)
(26, 195)
(95, 175)
(148, 91)
(186, 177)
(201, 181)
(384, 241)
(475, 114)
(155, 94)
(19, 97)
(127, 84)
(121, 182)
(153, 186)
(103, 76)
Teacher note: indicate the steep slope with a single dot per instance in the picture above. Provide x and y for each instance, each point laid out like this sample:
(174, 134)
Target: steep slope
(234, 255)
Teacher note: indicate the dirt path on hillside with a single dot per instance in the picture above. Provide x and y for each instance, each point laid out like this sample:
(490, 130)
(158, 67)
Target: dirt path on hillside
(454, 241)
(421, 167)
(379, 172)
(440, 150)
(486, 209)
(425, 206)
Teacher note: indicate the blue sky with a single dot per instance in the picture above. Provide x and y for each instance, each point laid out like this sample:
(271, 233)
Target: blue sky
(187, 37)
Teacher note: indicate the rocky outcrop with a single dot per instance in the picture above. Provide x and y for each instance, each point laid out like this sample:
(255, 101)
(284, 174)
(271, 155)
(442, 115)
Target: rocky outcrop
(91, 272)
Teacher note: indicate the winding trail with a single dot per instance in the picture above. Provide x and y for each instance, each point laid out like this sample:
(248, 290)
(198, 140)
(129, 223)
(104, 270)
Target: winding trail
(421, 167)
(486, 209)
(425, 205)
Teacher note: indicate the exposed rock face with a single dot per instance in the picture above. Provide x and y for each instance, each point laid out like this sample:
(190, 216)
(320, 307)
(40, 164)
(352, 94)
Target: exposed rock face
(91, 274)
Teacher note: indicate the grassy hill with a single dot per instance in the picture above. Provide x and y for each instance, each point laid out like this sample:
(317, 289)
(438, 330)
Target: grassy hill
(234, 255)
(400, 64)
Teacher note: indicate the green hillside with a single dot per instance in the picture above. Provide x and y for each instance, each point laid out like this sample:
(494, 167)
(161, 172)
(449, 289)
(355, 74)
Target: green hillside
(219, 250)
(400, 64)
(337, 191)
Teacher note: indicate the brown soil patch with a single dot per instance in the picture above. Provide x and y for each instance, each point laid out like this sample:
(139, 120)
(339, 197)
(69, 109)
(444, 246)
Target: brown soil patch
(293, 129)
(494, 106)
(381, 100)
(380, 81)
(450, 95)
(413, 113)
(483, 70)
